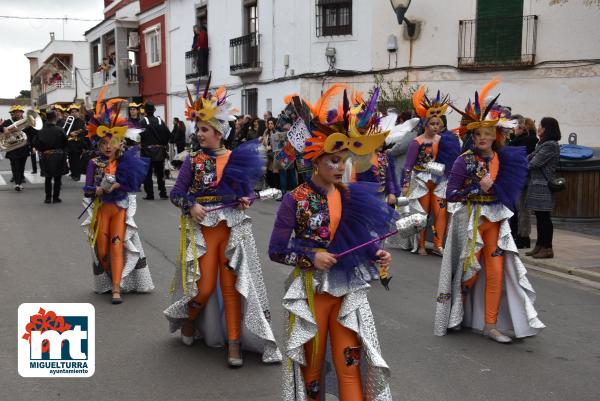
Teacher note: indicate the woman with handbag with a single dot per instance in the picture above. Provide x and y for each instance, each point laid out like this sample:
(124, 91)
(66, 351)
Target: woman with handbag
(542, 183)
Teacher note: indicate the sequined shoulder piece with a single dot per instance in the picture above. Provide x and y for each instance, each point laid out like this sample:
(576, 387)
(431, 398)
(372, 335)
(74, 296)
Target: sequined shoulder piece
(302, 192)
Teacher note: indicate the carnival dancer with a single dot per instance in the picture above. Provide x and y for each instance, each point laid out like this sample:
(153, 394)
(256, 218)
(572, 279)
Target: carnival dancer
(481, 256)
(119, 262)
(18, 157)
(326, 296)
(51, 143)
(219, 244)
(423, 185)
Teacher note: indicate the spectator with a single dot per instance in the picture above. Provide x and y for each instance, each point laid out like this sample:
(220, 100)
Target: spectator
(178, 135)
(256, 127)
(154, 141)
(284, 155)
(272, 178)
(200, 46)
(542, 164)
(267, 116)
(520, 224)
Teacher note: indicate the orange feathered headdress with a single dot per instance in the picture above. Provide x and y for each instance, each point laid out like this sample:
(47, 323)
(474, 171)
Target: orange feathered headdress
(353, 126)
(106, 122)
(476, 114)
(428, 108)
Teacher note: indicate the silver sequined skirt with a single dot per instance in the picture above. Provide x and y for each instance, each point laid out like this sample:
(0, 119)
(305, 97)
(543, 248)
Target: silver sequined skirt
(136, 273)
(257, 335)
(453, 307)
(355, 314)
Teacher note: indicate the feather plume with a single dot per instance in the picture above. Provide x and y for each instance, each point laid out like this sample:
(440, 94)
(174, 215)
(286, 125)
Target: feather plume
(485, 90)
(301, 109)
(320, 108)
(346, 110)
(101, 95)
(365, 116)
(190, 98)
(290, 98)
(417, 99)
(477, 105)
(207, 85)
(220, 93)
(489, 107)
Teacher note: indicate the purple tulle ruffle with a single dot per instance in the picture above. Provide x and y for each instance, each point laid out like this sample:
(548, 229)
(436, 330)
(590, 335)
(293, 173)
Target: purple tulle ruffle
(364, 217)
(244, 170)
(131, 172)
(448, 151)
(512, 175)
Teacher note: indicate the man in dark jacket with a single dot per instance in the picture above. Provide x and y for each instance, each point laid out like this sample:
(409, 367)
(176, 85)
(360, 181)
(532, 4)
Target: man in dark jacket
(178, 135)
(51, 143)
(154, 141)
(75, 142)
(18, 157)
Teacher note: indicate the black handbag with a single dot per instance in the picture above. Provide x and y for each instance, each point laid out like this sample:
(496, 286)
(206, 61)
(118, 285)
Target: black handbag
(156, 153)
(557, 184)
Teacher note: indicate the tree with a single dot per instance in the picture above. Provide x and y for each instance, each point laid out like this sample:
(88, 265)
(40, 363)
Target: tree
(394, 94)
(24, 94)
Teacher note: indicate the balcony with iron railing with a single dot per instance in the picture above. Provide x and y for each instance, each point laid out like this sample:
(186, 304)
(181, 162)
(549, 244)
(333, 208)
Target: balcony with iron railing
(244, 55)
(497, 43)
(196, 64)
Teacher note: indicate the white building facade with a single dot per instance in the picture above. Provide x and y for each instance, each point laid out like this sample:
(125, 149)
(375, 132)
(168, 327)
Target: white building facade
(59, 72)
(547, 56)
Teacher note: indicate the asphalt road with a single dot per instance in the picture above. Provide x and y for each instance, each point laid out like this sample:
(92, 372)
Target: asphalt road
(44, 258)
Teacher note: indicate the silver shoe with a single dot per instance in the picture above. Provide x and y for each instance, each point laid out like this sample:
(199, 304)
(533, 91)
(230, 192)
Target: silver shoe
(493, 333)
(231, 361)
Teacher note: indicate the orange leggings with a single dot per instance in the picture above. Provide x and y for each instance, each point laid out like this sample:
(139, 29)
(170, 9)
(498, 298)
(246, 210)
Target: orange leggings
(212, 264)
(440, 217)
(345, 349)
(109, 243)
(494, 267)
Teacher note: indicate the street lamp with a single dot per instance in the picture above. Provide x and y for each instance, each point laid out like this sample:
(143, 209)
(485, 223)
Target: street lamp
(400, 7)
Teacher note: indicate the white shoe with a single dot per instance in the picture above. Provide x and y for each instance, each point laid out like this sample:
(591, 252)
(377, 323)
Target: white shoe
(187, 340)
(491, 332)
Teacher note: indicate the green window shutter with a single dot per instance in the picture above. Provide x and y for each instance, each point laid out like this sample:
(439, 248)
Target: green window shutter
(499, 31)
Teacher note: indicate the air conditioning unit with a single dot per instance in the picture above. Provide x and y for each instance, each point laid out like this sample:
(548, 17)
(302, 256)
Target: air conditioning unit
(134, 40)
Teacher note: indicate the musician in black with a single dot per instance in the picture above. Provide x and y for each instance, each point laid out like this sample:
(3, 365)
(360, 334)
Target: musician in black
(51, 142)
(60, 114)
(154, 141)
(75, 143)
(18, 157)
(32, 150)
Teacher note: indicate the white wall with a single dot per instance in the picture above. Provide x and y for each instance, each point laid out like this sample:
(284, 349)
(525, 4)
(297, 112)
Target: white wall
(565, 91)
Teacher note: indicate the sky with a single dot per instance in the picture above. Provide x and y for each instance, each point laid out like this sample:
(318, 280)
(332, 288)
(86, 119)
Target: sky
(19, 36)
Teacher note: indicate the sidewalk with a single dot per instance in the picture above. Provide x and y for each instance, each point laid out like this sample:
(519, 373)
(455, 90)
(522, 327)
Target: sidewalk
(575, 255)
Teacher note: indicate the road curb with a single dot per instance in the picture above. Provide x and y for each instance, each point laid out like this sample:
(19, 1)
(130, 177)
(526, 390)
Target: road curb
(572, 271)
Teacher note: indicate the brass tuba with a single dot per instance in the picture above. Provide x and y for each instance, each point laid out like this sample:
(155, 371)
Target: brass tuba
(14, 137)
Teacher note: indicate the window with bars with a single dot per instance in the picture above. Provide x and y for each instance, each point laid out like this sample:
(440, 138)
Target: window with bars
(250, 101)
(250, 17)
(333, 17)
